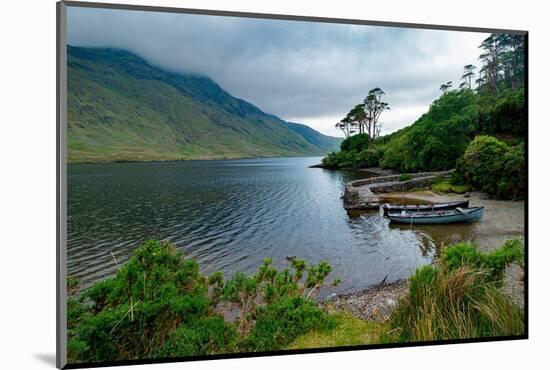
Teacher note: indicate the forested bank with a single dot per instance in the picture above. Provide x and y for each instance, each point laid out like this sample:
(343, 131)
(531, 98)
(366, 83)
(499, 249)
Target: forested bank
(479, 130)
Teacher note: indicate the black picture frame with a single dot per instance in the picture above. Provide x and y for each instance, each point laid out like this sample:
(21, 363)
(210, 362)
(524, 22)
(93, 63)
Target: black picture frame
(61, 186)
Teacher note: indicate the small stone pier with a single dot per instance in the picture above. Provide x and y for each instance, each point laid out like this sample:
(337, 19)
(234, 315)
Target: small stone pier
(361, 194)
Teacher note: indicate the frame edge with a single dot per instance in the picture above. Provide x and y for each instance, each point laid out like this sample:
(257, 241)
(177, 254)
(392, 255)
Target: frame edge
(61, 186)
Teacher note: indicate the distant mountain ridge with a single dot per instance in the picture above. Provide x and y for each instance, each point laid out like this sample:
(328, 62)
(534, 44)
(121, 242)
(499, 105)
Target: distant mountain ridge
(121, 108)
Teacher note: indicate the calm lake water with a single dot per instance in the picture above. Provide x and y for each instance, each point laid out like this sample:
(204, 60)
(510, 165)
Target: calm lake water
(230, 215)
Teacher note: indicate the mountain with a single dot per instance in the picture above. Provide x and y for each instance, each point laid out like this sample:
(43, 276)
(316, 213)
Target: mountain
(324, 142)
(121, 108)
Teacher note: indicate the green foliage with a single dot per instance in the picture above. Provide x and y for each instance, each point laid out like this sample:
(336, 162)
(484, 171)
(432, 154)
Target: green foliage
(505, 114)
(423, 278)
(405, 177)
(445, 186)
(281, 322)
(72, 285)
(453, 304)
(512, 182)
(130, 315)
(437, 138)
(356, 143)
(493, 167)
(463, 254)
(159, 304)
(460, 298)
(352, 159)
(207, 335)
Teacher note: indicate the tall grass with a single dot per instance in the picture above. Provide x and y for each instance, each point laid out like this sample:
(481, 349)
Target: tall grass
(445, 303)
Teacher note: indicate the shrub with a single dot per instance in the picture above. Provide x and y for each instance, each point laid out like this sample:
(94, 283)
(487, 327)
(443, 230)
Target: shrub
(283, 321)
(457, 303)
(353, 158)
(207, 335)
(460, 298)
(467, 254)
(512, 182)
(159, 304)
(493, 167)
(340, 160)
(504, 115)
(355, 143)
(368, 158)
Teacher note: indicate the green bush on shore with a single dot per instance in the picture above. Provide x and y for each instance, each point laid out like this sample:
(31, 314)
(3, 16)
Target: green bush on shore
(494, 262)
(159, 305)
(459, 298)
(493, 167)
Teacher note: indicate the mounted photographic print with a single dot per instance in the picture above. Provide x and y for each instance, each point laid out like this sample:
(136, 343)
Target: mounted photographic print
(235, 184)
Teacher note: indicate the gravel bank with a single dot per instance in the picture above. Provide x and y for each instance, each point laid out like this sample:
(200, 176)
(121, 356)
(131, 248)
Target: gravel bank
(375, 303)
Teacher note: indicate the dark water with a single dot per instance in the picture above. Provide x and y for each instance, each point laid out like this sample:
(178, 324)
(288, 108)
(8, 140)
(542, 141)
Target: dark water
(230, 215)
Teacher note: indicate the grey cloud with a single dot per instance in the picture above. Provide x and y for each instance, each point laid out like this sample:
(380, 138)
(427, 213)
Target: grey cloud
(291, 69)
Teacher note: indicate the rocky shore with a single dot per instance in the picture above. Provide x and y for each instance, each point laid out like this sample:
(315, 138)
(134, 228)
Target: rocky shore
(375, 303)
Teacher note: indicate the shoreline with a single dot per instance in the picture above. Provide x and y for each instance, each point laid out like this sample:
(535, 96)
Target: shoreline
(504, 220)
(193, 160)
(375, 303)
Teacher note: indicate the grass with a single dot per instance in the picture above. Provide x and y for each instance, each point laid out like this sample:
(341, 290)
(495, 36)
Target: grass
(444, 186)
(445, 304)
(457, 299)
(349, 331)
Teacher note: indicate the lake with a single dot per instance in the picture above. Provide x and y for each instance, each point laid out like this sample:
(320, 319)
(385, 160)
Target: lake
(230, 215)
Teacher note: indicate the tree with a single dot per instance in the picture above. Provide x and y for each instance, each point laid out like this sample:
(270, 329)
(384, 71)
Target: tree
(503, 59)
(345, 126)
(373, 107)
(490, 58)
(359, 117)
(446, 86)
(365, 117)
(468, 74)
(512, 56)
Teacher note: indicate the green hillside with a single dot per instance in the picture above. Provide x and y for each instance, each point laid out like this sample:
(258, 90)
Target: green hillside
(120, 108)
(480, 130)
(326, 143)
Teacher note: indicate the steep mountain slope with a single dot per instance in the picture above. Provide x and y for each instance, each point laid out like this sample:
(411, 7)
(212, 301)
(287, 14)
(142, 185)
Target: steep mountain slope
(324, 142)
(120, 108)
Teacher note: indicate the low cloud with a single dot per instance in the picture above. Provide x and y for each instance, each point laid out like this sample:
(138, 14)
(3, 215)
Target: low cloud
(305, 72)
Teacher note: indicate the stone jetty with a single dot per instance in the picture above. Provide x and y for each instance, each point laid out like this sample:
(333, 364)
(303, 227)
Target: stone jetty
(362, 194)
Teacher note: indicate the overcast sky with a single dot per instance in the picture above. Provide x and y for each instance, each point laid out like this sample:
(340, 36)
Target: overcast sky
(306, 72)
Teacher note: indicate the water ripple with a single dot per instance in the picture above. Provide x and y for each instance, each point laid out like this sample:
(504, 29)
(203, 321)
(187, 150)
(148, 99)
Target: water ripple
(229, 215)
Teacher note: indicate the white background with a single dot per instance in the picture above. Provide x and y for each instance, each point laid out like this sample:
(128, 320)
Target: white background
(27, 182)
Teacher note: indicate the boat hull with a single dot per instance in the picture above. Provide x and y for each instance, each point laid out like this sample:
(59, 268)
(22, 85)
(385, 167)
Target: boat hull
(435, 218)
(388, 208)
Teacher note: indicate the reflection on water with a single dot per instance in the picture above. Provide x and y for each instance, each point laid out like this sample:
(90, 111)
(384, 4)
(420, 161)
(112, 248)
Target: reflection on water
(230, 215)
